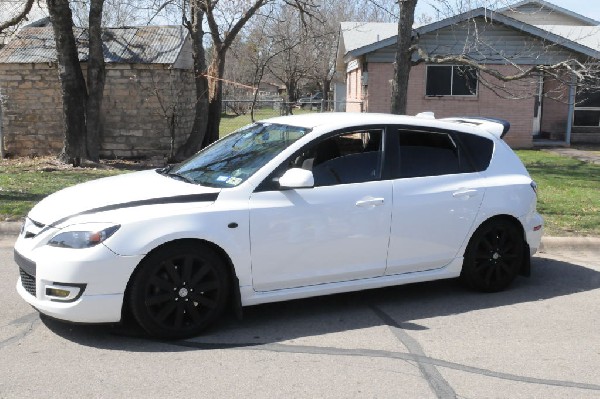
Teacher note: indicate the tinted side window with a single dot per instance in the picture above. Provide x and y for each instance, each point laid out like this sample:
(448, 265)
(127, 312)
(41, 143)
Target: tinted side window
(346, 158)
(427, 154)
(351, 157)
(479, 149)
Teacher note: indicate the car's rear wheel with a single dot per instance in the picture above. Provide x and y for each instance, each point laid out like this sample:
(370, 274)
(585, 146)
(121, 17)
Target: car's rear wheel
(179, 290)
(493, 256)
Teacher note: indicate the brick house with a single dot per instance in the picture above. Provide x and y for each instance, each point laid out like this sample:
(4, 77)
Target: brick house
(527, 33)
(148, 97)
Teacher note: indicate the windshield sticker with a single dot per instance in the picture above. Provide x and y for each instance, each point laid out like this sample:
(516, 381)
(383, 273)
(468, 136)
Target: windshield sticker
(234, 181)
(222, 178)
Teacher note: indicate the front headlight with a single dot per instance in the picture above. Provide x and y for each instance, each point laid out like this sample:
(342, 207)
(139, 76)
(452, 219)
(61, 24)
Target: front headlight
(82, 239)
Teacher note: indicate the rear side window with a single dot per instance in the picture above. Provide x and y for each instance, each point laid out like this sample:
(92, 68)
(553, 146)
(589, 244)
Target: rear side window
(479, 149)
(428, 154)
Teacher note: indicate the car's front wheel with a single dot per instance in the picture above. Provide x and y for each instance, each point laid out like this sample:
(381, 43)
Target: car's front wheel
(178, 290)
(494, 256)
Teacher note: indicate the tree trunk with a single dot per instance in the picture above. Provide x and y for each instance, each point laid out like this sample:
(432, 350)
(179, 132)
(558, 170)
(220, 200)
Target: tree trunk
(291, 87)
(404, 53)
(326, 105)
(215, 95)
(194, 141)
(96, 77)
(72, 83)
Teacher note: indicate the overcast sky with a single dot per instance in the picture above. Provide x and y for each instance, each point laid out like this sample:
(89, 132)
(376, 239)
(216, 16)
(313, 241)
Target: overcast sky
(588, 8)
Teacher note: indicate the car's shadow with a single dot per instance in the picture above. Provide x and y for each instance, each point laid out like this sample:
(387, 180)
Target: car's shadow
(405, 305)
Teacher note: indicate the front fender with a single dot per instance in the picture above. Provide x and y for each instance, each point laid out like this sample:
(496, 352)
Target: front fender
(228, 229)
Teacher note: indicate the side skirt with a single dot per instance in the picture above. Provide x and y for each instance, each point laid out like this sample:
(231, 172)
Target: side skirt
(250, 297)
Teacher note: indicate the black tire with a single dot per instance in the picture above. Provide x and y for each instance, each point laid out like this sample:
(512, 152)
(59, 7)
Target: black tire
(494, 256)
(179, 290)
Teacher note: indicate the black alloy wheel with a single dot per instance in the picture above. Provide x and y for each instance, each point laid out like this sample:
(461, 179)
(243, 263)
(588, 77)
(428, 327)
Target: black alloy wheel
(494, 256)
(179, 290)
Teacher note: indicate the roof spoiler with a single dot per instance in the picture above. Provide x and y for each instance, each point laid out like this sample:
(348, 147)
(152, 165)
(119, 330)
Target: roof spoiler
(495, 126)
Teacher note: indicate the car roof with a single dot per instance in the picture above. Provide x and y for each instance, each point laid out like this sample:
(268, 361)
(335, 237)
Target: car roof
(341, 120)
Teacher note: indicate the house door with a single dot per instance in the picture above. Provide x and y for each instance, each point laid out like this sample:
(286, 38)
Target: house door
(537, 107)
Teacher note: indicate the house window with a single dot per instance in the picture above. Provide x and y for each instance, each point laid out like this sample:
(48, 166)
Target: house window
(451, 80)
(587, 109)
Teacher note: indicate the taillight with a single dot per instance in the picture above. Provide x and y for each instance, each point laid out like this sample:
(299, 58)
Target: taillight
(534, 187)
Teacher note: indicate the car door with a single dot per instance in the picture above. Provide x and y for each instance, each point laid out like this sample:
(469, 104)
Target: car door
(437, 196)
(337, 230)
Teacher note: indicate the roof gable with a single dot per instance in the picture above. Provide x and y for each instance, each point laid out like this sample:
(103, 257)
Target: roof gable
(132, 45)
(356, 35)
(583, 40)
(571, 42)
(540, 12)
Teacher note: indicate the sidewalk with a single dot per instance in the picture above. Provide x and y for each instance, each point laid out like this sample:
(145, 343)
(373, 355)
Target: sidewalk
(592, 156)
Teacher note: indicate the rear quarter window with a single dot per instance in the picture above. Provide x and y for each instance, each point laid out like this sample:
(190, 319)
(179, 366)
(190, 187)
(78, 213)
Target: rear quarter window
(478, 149)
(424, 153)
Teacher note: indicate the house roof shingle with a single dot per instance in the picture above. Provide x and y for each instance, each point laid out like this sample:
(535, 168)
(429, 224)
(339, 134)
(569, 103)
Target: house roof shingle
(145, 45)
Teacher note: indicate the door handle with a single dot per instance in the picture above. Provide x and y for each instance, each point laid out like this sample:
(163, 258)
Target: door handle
(370, 202)
(464, 193)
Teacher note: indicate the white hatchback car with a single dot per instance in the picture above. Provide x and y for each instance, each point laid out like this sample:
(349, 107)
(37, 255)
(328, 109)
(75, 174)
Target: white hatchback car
(286, 208)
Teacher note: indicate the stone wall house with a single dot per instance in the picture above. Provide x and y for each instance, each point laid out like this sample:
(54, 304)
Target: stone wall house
(533, 32)
(148, 98)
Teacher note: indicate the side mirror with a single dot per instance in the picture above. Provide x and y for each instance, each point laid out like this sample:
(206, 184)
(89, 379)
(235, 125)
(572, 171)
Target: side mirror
(297, 178)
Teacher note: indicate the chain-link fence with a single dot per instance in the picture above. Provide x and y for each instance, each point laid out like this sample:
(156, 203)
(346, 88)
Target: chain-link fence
(238, 113)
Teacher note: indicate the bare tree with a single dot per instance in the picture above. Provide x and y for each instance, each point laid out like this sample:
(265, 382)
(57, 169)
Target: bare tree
(293, 60)
(96, 76)
(118, 13)
(225, 19)
(234, 15)
(15, 18)
(404, 51)
(81, 104)
(72, 83)
(195, 26)
(311, 47)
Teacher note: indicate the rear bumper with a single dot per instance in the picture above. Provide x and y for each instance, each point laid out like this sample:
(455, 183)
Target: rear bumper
(534, 230)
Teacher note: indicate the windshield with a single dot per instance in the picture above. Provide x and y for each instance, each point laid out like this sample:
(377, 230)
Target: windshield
(236, 157)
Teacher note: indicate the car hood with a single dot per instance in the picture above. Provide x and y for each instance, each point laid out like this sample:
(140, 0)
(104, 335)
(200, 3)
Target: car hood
(123, 191)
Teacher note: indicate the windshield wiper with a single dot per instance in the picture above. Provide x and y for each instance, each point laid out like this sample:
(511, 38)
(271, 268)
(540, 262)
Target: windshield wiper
(180, 177)
(165, 170)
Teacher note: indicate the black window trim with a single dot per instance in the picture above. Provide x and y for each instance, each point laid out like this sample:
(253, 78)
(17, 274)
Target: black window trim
(390, 151)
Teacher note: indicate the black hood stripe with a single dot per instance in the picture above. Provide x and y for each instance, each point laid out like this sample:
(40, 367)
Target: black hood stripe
(178, 199)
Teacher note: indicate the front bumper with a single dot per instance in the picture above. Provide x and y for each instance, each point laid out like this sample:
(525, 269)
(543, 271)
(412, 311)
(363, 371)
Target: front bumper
(86, 309)
(92, 280)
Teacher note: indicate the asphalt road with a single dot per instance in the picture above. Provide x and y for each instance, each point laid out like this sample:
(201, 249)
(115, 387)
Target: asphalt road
(539, 339)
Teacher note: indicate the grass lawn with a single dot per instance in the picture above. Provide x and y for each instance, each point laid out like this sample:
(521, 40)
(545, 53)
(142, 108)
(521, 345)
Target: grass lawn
(230, 122)
(24, 182)
(568, 193)
(569, 190)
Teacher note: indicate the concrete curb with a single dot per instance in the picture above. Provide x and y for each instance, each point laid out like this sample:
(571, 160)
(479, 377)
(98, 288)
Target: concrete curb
(548, 243)
(10, 228)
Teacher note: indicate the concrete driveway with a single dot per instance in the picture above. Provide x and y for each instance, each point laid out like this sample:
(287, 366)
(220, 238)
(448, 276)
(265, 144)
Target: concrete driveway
(539, 339)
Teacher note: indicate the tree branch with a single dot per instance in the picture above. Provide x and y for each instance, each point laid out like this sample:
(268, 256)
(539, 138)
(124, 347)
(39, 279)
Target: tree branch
(18, 18)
